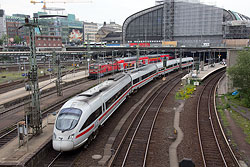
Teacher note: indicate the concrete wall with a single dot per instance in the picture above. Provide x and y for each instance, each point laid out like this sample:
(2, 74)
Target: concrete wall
(236, 42)
(231, 61)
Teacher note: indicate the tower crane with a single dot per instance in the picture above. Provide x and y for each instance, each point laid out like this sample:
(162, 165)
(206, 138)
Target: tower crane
(59, 1)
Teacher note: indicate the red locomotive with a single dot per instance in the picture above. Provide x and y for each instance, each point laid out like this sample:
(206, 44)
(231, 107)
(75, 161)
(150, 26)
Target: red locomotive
(120, 64)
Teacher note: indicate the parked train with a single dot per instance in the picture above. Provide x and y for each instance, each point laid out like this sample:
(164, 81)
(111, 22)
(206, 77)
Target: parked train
(120, 64)
(80, 118)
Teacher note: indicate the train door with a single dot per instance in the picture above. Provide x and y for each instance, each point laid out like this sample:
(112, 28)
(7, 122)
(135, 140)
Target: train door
(103, 111)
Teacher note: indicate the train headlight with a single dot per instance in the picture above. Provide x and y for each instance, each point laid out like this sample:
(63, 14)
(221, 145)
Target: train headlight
(54, 136)
(71, 137)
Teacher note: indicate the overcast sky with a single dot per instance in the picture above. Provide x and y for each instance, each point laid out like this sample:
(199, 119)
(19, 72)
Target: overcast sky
(108, 10)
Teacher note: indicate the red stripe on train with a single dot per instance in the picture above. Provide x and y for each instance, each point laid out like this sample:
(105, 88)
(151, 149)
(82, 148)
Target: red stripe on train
(86, 131)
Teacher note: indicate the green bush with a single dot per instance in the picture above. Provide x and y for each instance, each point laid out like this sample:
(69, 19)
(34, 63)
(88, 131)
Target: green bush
(227, 106)
(184, 93)
(238, 99)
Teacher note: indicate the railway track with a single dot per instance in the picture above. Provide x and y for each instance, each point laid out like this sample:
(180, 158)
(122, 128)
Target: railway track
(214, 150)
(45, 94)
(5, 87)
(10, 133)
(134, 146)
(61, 159)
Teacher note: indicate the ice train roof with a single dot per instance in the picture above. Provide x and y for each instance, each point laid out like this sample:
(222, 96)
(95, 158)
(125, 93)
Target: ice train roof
(94, 92)
(142, 70)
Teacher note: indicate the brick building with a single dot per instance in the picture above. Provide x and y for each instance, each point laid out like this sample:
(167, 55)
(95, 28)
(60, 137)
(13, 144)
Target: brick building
(48, 41)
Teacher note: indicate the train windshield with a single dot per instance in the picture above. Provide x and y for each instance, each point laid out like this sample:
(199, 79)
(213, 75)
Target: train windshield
(93, 67)
(68, 119)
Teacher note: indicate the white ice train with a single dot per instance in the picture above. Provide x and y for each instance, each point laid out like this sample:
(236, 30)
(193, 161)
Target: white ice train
(79, 119)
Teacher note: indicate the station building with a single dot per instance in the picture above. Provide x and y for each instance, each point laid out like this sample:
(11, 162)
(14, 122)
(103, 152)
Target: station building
(89, 31)
(186, 24)
(106, 29)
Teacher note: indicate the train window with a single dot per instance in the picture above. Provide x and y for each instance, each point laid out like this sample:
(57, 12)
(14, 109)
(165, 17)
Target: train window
(88, 122)
(144, 76)
(117, 95)
(135, 80)
(98, 112)
(92, 118)
(94, 67)
(110, 101)
(68, 119)
(126, 88)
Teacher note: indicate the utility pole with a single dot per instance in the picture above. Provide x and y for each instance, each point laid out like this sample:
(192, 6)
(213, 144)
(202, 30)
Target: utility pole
(137, 56)
(193, 52)
(34, 114)
(180, 65)
(57, 64)
(88, 50)
(113, 68)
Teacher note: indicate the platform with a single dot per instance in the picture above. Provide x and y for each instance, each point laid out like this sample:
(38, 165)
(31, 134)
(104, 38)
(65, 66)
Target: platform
(12, 155)
(202, 74)
(21, 92)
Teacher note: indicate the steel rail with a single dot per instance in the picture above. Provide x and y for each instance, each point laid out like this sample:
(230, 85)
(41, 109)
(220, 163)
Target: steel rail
(44, 112)
(130, 126)
(220, 126)
(53, 161)
(43, 96)
(211, 123)
(152, 125)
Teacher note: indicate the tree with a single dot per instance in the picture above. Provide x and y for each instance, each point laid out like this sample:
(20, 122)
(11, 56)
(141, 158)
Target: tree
(17, 39)
(4, 39)
(240, 74)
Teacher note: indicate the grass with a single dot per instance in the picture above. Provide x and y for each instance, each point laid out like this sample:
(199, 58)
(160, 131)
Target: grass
(237, 99)
(221, 108)
(243, 111)
(223, 116)
(15, 75)
(185, 93)
(243, 123)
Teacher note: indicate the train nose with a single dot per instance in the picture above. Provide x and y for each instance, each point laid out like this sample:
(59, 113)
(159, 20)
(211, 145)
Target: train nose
(63, 145)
